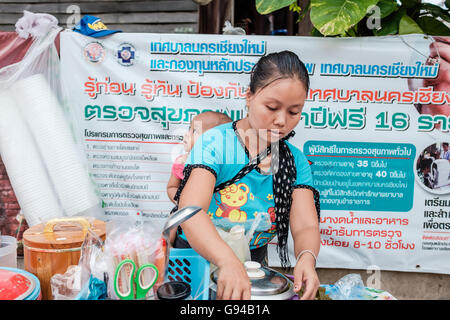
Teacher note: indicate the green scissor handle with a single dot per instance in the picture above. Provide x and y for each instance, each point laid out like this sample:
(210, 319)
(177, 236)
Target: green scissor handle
(129, 295)
(141, 288)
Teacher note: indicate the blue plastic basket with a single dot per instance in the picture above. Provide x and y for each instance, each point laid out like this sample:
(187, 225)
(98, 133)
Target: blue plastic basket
(188, 266)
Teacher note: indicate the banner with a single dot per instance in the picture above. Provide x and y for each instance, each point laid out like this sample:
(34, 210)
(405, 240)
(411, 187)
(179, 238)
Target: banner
(377, 152)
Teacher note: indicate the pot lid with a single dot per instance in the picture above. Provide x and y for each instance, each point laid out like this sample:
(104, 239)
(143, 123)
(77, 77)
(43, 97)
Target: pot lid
(174, 290)
(264, 281)
(15, 285)
(64, 234)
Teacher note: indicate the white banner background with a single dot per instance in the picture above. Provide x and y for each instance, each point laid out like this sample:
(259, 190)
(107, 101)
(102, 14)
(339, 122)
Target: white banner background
(130, 112)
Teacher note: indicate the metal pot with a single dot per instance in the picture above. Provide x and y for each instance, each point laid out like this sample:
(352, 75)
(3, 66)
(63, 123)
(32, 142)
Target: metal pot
(267, 284)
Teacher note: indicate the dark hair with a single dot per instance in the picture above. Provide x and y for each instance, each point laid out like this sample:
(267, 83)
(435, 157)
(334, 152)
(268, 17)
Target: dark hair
(425, 164)
(275, 66)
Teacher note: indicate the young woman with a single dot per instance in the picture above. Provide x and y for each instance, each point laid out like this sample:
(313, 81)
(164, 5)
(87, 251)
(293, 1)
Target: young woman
(239, 169)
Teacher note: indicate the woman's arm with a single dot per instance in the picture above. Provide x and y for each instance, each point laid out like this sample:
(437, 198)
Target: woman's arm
(233, 282)
(305, 233)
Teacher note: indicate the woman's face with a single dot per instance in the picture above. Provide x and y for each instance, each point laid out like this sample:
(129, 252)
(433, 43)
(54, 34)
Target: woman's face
(276, 108)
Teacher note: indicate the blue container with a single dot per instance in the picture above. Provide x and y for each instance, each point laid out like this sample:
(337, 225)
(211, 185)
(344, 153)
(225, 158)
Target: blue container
(188, 266)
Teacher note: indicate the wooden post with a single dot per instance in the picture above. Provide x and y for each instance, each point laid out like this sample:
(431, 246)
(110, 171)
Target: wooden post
(305, 26)
(212, 17)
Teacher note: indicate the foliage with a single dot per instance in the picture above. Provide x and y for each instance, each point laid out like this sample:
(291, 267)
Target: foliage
(367, 17)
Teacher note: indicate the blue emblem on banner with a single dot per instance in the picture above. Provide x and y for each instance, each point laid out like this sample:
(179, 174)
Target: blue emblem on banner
(126, 54)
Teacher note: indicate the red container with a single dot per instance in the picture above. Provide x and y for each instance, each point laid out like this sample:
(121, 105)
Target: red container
(16, 284)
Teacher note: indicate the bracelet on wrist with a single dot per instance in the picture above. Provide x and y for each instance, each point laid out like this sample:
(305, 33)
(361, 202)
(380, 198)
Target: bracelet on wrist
(307, 251)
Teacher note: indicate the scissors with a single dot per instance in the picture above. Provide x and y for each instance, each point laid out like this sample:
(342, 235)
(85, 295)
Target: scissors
(132, 277)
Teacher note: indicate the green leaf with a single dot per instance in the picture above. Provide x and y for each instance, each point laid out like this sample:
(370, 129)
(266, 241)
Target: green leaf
(410, 3)
(390, 24)
(294, 7)
(436, 11)
(387, 7)
(335, 17)
(316, 33)
(269, 6)
(433, 27)
(447, 4)
(351, 32)
(408, 26)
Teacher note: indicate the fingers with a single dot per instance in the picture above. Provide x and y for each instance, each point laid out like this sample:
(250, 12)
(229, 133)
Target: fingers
(233, 291)
(309, 282)
(442, 81)
(220, 290)
(227, 293)
(247, 294)
(442, 39)
(298, 282)
(440, 49)
(310, 289)
(233, 294)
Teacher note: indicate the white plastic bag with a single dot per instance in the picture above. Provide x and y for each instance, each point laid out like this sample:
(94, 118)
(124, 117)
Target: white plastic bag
(229, 29)
(46, 166)
(141, 242)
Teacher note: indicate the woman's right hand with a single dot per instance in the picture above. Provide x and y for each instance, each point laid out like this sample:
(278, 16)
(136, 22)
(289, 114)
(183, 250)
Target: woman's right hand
(232, 281)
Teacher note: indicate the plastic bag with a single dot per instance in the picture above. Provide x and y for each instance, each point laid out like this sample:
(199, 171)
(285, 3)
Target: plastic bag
(229, 29)
(260, 222)
(238, 236)
(82, 281)
(349, 287)
(142, 243)
(37, 141)
(41, 58)
(66, 286)
(237, 241)
(35, 25)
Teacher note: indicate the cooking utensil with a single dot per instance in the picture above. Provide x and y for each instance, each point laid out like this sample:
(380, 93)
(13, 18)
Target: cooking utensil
(178, 217)
(267, 284)
(174, 220)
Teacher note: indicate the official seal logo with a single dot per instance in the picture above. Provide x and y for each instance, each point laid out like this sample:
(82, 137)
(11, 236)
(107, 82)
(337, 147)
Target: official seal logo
(126, 54)
(94, 52)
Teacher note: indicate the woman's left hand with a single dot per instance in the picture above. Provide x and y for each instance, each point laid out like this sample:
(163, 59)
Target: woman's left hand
(305, 277)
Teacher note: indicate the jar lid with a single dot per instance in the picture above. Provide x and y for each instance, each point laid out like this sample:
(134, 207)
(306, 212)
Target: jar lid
(15, 285)
(264, 281)
(64, 235)
(174, 290)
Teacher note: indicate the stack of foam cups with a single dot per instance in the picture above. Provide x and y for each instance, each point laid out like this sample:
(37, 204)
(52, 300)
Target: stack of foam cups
(46, 120)
(26, 170)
